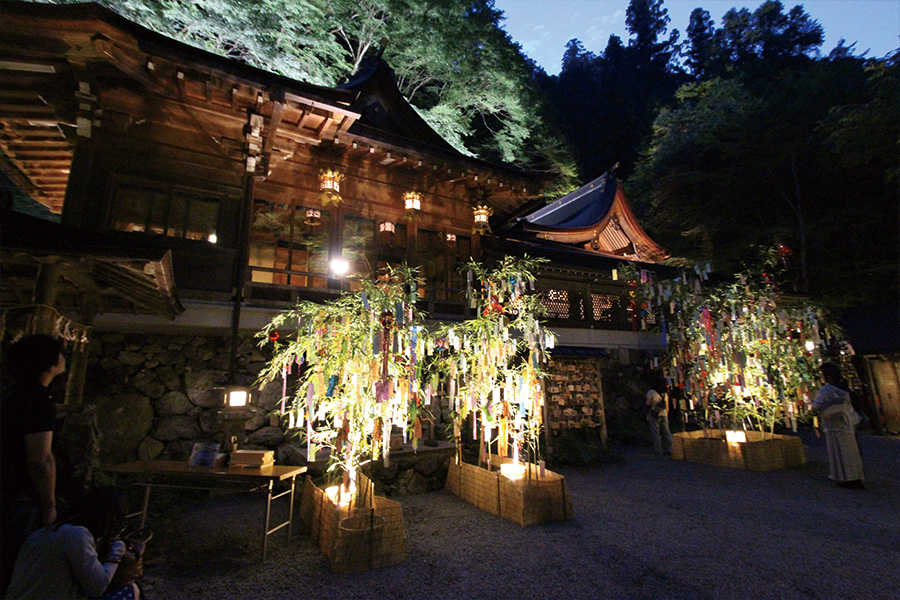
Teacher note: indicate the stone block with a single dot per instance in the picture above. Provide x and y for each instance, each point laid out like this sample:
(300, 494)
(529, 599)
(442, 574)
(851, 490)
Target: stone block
(149, 449)
(178, 427)
(130, 358)
(209, 420)
(169, 378)
(172, 403)
(267, 436)
(148, 384)
(200, 385)
(124, 421)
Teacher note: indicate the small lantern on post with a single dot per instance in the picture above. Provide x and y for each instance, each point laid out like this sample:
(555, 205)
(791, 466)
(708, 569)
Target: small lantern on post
(330, 186)
(235, 413)
(386, 231)
(481, 214)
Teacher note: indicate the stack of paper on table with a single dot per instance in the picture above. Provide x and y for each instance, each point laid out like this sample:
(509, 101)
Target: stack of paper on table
(252, 458)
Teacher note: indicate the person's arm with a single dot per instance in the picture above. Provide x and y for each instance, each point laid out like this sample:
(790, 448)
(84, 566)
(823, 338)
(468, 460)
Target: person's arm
(92, 573)
(42, 470)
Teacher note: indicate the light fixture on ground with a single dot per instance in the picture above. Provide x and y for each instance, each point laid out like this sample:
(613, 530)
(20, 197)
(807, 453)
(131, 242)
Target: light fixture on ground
(512, 470)
(735, 437)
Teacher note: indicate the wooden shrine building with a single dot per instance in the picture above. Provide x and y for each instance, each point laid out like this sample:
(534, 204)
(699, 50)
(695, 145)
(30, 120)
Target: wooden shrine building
(189, 194)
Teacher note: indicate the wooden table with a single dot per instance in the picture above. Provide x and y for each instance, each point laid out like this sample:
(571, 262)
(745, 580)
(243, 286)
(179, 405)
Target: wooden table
(177, 474)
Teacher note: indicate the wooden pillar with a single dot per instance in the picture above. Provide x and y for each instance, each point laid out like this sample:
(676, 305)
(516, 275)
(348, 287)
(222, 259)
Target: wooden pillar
(79, 189)
(240, 271)
(603, 432)
(46, 294)
(78, 364)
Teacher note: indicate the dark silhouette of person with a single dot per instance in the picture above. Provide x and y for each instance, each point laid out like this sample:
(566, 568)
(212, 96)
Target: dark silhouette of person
(27, 465)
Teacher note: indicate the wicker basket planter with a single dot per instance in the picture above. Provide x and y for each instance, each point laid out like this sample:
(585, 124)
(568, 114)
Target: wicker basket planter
(364, 534)
(530, 500)
(761, 451)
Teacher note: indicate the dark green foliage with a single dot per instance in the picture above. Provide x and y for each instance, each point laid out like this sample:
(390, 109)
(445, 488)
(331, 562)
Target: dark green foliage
(605, 104)
(806, 158)
(579, 448)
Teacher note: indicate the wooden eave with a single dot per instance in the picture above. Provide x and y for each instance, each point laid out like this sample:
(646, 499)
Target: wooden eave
(641, 246)
(503, 188)
(130, 71)
(109, 277)
(64, 66)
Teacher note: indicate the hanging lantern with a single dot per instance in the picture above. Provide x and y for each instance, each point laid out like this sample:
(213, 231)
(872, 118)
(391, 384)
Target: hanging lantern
(482, 214)
(313, 217)
(386, 227)
(330, 187)
(451, 238)
(412, 201)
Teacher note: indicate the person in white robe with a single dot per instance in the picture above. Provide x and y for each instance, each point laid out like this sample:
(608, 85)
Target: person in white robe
(838, 421)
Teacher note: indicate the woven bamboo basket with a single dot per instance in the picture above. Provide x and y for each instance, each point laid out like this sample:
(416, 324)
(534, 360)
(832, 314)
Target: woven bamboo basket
(761, 451)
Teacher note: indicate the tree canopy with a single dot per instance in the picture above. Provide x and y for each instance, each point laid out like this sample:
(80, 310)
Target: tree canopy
(805, 156)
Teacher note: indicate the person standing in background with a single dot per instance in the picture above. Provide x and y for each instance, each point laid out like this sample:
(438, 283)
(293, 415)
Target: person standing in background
(658, 417)
(838, 421)
(27, 465)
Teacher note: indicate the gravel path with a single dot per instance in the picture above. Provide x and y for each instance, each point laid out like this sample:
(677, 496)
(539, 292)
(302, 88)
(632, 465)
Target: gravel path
(645, 527)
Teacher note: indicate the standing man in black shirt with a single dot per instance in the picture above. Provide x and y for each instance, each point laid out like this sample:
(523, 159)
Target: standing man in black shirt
(27, 465)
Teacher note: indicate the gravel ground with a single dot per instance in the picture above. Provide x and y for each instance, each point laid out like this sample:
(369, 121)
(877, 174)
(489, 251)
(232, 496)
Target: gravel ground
(644, 527)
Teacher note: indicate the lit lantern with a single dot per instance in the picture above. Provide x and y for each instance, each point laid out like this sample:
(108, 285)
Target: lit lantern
(386, 227)
(313, 217)
(451, 238)
(330, 186)
(412, 201)
(512, 470)
(237, 397)
(339, 266)
(735, 437)
(236, 412)
(482, 214)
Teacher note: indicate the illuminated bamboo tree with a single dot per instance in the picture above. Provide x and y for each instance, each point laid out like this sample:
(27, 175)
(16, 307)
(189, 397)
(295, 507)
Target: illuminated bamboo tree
(490, 366)
(358, 364)
(741, 351)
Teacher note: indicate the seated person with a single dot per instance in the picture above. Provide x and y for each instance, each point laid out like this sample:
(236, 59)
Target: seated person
(77, 556)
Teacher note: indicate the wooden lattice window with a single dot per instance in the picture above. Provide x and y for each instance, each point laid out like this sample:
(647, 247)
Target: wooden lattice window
(602, 306)
(557, 304)
(164, 209)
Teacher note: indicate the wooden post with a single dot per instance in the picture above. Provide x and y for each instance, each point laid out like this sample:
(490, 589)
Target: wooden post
(46, 293)
(603, 432)
(81, 349)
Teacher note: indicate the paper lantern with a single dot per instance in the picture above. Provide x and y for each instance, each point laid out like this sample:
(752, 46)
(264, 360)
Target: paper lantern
(330, 186)
(481, 216)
